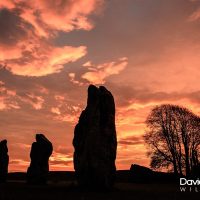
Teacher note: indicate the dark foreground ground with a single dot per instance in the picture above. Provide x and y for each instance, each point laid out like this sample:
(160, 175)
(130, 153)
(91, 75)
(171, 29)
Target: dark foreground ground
(62, 185)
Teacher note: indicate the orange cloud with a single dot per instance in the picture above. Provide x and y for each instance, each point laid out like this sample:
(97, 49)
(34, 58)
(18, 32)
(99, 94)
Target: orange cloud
(35, 101)
(7, 4)
(19, 164)
(195, 15)
(64, 111)
(66, 115)
(55, 110)
(10, 99)
(72, 77)
(97, 74)
(7, 100)
(46, 16)
(27, 28)
(9, 53)
(44, 60)
(64, 15)
(130, 120)
(60, 161)
(131, 154)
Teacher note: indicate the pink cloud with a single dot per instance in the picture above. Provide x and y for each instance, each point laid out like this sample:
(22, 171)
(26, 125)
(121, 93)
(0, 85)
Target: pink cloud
(60, 160)
(55, 110)
(65, 15)
(64, 110)
(98, 73)
(44, 60)
(48, 15)
(59, 98)
(34, 100)
(195, 15)
(42, 90)
(7, 100)
(62, 114)
(29, 26)
(72, 77)
(9, 53)
(7, 4)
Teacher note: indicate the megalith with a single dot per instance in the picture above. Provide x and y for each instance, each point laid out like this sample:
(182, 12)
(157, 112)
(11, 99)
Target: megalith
(38, 170)
(4, 160)
(95, 140)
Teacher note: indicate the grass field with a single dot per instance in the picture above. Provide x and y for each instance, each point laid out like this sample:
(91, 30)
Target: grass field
(62, 185)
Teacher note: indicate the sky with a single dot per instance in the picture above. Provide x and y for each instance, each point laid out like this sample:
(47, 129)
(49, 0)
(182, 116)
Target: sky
(146, 52)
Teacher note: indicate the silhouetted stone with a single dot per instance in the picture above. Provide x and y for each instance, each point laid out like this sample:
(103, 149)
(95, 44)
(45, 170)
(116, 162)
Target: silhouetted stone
(141, 174)
(4, 160)
(95, 140)
(41, 150)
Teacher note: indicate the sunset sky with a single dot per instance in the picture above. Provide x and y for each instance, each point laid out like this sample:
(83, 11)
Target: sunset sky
(146, 52)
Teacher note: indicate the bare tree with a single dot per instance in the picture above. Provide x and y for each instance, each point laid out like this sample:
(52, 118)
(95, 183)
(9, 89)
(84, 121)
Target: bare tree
(173, 138)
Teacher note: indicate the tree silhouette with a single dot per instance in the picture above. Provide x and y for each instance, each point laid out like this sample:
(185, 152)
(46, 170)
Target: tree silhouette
(173, 138)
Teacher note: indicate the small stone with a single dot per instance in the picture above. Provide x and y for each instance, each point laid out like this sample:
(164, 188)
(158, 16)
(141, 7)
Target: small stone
(41, 150)
(4, 160)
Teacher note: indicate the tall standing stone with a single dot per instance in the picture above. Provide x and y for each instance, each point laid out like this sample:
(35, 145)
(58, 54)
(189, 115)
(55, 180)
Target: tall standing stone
(4, 160)
(95, 140)
(41, 150)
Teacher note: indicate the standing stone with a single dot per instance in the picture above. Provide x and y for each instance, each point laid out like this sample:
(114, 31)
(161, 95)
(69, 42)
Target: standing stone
(4, 160)
(95, 141)
(41, 150)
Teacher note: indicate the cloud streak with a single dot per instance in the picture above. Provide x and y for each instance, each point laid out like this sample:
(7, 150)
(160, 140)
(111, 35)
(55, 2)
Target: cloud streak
(7, 101)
